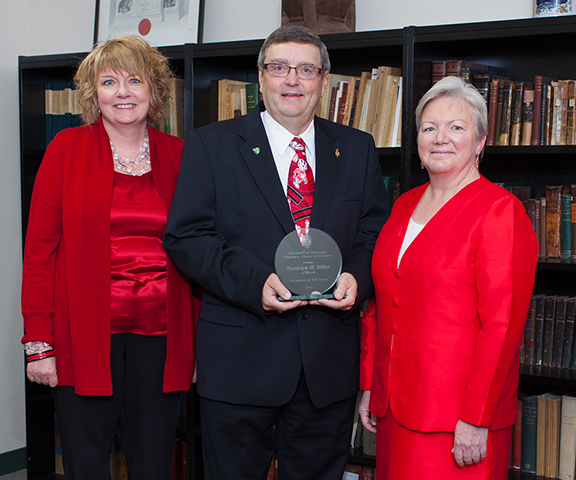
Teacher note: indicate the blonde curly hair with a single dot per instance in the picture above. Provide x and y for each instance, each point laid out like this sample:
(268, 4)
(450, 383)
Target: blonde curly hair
(133, 55)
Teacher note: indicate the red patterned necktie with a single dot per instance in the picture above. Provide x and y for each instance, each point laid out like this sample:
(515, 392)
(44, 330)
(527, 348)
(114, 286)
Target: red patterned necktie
(300, 189)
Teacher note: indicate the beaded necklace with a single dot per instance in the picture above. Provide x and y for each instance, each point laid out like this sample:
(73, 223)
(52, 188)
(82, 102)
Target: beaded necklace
(137, 166)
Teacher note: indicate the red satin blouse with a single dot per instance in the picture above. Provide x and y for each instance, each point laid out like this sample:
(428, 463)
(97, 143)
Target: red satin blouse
(138, 259)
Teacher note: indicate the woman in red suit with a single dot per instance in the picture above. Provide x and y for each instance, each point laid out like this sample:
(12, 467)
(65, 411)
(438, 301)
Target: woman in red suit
(453, 272)
(108, 318)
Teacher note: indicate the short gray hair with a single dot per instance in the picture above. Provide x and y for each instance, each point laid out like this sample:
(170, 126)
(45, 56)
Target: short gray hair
(457, 89)
(298, 34)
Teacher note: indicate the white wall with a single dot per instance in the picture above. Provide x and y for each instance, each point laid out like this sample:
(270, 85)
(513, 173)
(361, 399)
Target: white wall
(237, 20)
(26, 28)
(385, 14)
(34, 27)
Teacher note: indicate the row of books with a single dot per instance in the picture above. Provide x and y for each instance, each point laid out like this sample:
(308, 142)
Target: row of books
(371, 102)
(549, 333)
(475, 73)
(538, 112)
(544, 440)
(554, 220)
(358, 472)
(392, 185)
(236, 98)
(62, 109)
(535, 111)
(174, 123)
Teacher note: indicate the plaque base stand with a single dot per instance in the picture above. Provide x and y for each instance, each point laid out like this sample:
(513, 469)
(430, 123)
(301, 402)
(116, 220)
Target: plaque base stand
(314, 296)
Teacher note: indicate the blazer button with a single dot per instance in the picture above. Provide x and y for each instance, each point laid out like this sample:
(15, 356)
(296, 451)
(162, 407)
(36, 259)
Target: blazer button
(395, 302)
(394, 328)
(396, 274)
(303, 316)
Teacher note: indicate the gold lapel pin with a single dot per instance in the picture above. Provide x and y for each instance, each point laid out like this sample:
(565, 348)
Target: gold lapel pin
(337, 153)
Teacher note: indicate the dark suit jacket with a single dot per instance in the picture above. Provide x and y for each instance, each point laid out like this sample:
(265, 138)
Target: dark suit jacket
(228, 216)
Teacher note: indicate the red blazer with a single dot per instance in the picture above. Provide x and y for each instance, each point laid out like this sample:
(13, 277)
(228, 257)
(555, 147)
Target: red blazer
(441, 340)
(66, 273)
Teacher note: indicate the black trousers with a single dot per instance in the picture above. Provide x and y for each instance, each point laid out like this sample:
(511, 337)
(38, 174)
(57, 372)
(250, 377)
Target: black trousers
(148, 417)
(239, 441)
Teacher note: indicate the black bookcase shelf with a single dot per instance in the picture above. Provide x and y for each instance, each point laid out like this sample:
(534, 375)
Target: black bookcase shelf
(520, 48)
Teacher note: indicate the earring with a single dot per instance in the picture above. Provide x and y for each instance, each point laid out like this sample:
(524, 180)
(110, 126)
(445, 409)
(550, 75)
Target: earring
(477, 161)
(421, 165)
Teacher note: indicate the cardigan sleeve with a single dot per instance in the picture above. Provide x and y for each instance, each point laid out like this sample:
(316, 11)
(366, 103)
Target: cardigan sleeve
(43, 239)
(505, 265)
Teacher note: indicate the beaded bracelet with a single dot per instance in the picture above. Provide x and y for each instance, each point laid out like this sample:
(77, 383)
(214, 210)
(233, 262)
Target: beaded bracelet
(36, 347)
(39, 356)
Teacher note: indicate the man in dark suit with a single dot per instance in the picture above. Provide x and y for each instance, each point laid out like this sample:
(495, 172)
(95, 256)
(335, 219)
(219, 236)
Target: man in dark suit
(276, 377)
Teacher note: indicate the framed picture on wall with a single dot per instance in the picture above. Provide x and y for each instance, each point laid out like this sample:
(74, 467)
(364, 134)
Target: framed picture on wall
(161, 22)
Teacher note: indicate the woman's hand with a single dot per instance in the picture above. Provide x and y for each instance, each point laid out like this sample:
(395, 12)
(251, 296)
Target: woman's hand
(368, 420)
(469, 443)
(43, 371)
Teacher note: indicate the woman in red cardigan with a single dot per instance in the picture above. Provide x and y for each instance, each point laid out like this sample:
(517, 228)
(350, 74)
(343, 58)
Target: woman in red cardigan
(109, 320)
(453, 272)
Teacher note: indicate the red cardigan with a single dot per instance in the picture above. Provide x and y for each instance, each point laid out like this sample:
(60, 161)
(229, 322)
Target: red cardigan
(66, 273)
(441, 341)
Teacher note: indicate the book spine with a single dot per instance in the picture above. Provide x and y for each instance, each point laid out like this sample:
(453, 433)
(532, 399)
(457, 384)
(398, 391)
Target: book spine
(506, 115)
(566, 219)
(567, 439)
(438, 70)
(517, 438)
(559, 328)
(570, 113)
(492, 109)
(542, 246)
(553, 221)
(537, 110)
(527, 117)
(529, 334)
(569, 333)
(548, 337)
(547, 121)
(453, 68)
(539, 330)
(573, 220)
(342, 104)
(528, 456)
(482, 83)
(516, 116)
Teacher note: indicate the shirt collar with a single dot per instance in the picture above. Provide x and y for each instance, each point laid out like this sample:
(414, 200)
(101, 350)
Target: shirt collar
(280, 138)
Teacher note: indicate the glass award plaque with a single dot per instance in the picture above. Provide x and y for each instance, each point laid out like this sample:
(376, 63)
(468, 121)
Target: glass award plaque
(309, 267)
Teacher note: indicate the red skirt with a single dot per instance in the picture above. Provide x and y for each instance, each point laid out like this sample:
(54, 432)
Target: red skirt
(404, 454)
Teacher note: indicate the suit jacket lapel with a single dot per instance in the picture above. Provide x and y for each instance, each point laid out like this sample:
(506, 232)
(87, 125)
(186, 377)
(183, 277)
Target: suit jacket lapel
(328, 161)
(257, 154)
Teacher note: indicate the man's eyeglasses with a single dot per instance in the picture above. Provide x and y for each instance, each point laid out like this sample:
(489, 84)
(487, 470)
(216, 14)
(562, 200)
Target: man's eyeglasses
(304, 72)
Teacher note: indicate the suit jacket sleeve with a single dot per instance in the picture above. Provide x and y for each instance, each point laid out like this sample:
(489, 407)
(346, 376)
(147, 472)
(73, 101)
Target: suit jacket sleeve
(231, 273)
(376, 210)
(505, 265)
